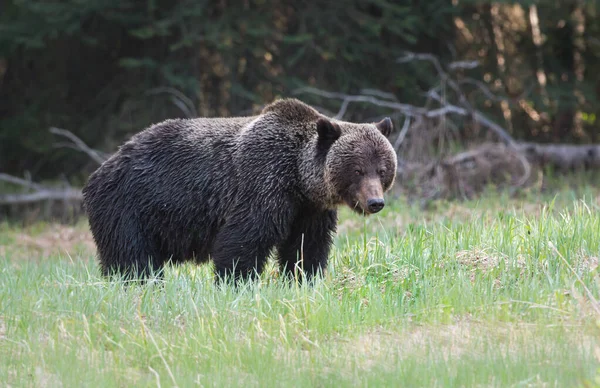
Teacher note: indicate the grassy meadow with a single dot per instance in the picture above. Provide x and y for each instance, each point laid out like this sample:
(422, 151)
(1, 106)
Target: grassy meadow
(495, 292)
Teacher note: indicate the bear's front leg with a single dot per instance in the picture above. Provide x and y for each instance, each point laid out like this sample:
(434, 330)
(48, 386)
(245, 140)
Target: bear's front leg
(308, 245)
(242, 246)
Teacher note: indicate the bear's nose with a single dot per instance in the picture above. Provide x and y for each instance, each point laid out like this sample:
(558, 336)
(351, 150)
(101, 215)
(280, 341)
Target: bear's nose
(375, 204)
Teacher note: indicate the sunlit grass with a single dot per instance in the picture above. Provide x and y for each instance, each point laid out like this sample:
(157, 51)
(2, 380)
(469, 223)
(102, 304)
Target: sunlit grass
(466, 294)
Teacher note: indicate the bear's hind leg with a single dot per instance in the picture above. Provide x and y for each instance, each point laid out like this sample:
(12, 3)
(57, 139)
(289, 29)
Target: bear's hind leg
(129, 253)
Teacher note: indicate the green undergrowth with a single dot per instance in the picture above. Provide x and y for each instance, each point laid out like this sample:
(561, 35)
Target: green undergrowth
(494, 292)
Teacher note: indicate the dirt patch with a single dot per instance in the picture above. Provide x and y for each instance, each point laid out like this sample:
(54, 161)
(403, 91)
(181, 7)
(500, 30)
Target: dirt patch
(478, 259)
(484, 260)
(448, 341)
(53, 240)
(464, 338)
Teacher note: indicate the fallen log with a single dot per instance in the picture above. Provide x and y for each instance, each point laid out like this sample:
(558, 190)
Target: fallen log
(562, 157)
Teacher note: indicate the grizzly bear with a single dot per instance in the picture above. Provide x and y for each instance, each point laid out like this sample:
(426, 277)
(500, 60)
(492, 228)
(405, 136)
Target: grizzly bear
(233, 189)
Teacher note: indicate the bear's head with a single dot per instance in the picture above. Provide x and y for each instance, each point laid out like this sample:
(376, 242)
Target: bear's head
(360, 162)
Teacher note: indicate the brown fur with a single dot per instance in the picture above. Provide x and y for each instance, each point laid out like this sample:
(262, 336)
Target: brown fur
(233, 189)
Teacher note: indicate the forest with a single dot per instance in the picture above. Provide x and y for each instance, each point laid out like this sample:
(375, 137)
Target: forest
(78, 78)
(104, 70)
(482, 269)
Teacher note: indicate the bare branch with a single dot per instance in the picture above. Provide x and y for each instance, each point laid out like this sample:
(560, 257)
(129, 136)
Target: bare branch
(379, 93)
(178, 98)
(411, 110)
(464, 108)
(19, 181)
(41, 195)
(441, 73)
(402, 134)
(483, 87)
(463, 65)
(489, 94)
(342, 110)
(407, 109)
(78, 144)
(457, 65)
(479, 117)
(498, 130)
(445, 110)
(410, 56)
(526, 169)
(182, 107)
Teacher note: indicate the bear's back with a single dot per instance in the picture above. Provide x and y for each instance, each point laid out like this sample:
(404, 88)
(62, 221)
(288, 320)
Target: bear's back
(167, 161)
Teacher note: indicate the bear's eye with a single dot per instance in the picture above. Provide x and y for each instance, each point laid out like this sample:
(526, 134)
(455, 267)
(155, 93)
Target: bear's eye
(382, 173)
(358, 172)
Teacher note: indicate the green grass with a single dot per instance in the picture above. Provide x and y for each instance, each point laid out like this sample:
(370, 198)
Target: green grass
(482, 293)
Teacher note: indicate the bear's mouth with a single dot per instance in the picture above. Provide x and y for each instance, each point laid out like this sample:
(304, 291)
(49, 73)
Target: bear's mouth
(358, 208)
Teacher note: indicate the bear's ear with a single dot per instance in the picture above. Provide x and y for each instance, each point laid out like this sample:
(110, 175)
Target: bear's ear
(328, 132)
(385, 126)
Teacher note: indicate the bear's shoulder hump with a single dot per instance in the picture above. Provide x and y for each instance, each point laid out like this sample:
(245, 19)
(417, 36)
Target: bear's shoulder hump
(291, 109)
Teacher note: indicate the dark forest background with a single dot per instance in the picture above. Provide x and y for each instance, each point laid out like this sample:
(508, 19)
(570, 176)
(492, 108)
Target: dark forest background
(105, 69)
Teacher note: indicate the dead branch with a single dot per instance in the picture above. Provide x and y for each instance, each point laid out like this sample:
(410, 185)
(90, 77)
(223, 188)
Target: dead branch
(342, 110)
(379, 94)
(483, 88)
(457, 65)
(445, 78)
(463, 65)
(402, 134)
(78, 144)
(38, 192)
(463, 109)
(41, 195)
(179, 99)
(406, 109)
(20, 182)
(411, 110)
(478, 116)
(410, 57)
(481, 119)
(44, 193)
